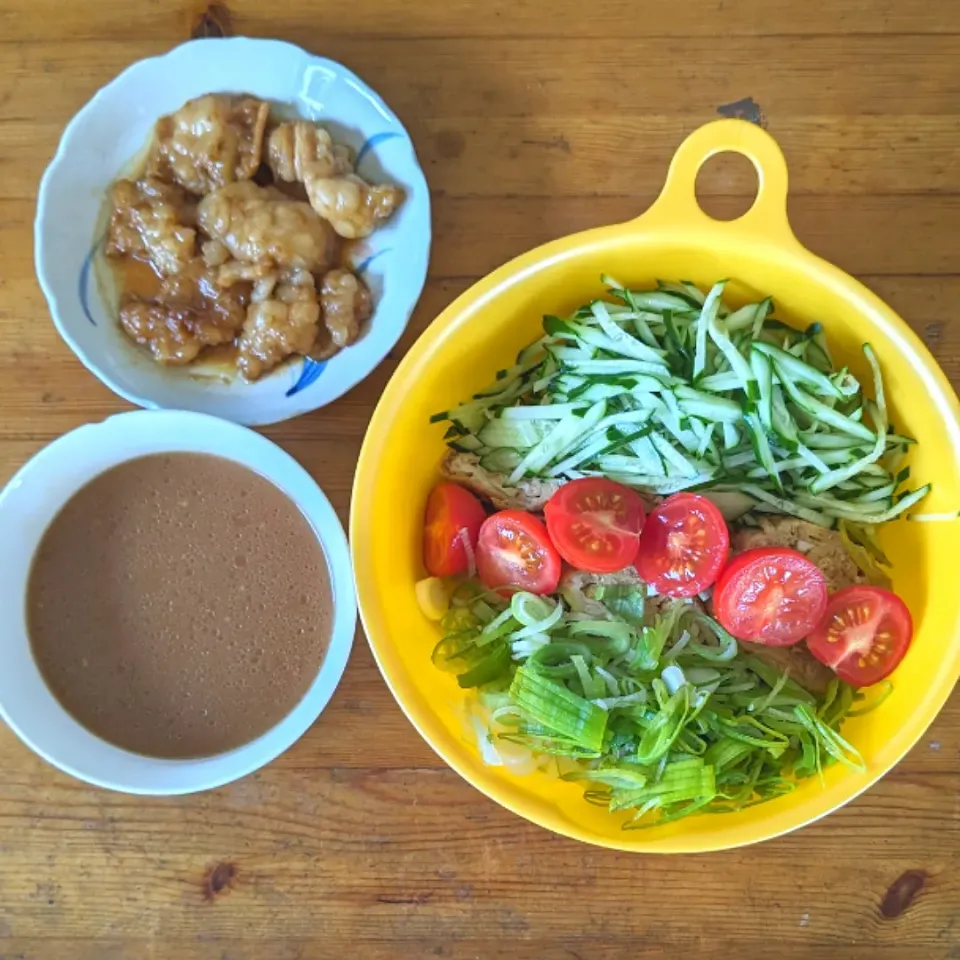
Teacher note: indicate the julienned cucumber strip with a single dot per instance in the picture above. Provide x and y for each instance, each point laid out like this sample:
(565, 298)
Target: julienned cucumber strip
(733, 356)
(786, 506)
(669, 389)
(762, 449)
(835, 477)
(711, 308)
(519, 434)
(934, 517)
(622, 340)
(567, 431)
(820, 412)
(842, 510)
(798, 371)
(763, 373)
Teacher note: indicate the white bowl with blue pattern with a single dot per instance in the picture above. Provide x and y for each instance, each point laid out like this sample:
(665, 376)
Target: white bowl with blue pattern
(104, 141)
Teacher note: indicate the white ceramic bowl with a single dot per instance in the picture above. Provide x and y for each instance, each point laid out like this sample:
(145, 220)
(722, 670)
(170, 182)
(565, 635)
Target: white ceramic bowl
(27, 506)
(102, 142)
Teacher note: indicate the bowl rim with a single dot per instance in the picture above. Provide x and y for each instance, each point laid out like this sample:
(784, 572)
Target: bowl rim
(86, 452)
(246, 47)
(651, 232)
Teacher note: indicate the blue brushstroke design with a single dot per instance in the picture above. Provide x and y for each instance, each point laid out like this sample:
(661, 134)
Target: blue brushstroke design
(311, 369)
(375, 141)
(83, 283)
(309, 373)
(361, 268)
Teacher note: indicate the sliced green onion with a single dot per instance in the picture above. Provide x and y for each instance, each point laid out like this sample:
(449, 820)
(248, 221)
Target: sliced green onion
(624, 601)
(487, 669)
(534, 613)
(830, 740)
(559, 709)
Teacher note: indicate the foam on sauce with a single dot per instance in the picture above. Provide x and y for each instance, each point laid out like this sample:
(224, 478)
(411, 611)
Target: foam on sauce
(179, 605)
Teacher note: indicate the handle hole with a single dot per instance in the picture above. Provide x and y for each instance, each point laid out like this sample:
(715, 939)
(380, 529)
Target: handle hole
(727, 185)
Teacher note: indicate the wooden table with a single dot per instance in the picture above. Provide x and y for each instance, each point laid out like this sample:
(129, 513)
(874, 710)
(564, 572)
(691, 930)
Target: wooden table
(533, 119)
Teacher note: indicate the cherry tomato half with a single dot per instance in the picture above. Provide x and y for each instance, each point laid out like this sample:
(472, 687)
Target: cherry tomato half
(864, 634)
(514, 550)
(770, 595)
(595, 524)
(683, 546)
(451, 528)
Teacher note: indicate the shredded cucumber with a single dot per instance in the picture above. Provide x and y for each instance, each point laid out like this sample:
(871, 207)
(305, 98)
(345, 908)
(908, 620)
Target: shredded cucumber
(672, 389)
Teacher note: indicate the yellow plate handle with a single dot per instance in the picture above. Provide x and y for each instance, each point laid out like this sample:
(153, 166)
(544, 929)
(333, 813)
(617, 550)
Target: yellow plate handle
(677, 204)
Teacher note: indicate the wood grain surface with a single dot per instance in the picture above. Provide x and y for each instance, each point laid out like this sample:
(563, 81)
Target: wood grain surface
(532, 120)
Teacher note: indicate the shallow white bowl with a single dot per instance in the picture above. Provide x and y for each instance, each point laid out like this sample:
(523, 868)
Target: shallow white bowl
(104, 140)
(27, 506)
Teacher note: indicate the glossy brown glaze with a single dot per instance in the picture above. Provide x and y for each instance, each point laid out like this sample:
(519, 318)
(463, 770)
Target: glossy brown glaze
(133, 276)
(179, 605)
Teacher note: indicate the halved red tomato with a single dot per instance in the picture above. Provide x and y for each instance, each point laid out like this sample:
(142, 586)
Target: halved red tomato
(683, 546)
(595, 524)
(770, 595)
(451, 529)
(864, 634)
(514, 550)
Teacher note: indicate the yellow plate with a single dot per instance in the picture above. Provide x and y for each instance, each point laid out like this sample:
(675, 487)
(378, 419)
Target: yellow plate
(483, 330)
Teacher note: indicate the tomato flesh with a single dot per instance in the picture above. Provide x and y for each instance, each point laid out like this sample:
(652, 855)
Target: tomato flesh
(595, 524)
(683, 546)
(770, 595)
(514, 551)
(864, 634)
(451, 529)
